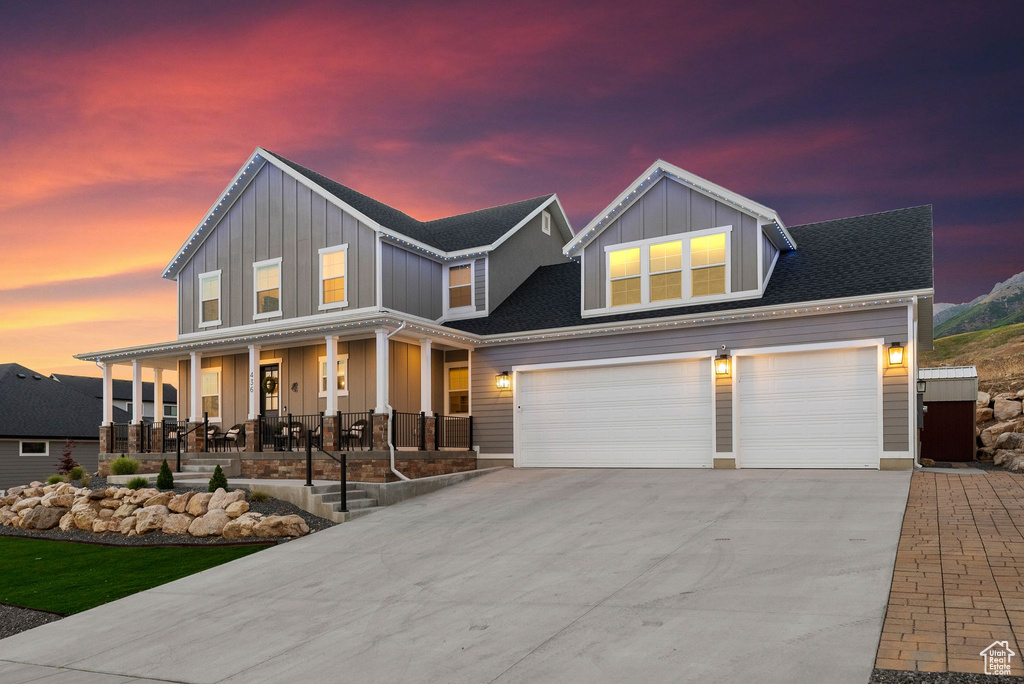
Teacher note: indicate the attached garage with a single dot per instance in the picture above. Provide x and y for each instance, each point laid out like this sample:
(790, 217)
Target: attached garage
(656, 414)
(809, 409)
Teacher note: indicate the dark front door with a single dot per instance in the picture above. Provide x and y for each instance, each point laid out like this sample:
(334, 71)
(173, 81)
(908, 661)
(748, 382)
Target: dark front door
(270, 390)
(948, 433)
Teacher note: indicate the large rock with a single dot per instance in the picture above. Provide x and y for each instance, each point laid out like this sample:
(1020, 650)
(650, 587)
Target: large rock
(150, 519)
(1003, 457)
(143, 495)
(124, 510)
(97, 494)
(32, 491)
(1003, 395)
(281, 526)
(7, 517)
(223, 499)
(237, 508)
(984, 399)
(57, 500)
(161, 499)
(67, 522)
(179, 502)
(982, 415)
(8, 500)
(127, 526)
(1005, 409)
(209, 525)
(1010, 440)
(110, 503)
(242, 526)
(30, 502)
(42, 518)
(990, 434)
(16, 491)
(84, 516)
(199, 504)
(177, 523)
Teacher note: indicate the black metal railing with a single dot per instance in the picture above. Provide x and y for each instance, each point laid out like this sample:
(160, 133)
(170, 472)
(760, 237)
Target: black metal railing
(453, 432)
(290, 432)
(407, 430)
(146, 438)
(119, 438)
(173, 433)
(355, 430)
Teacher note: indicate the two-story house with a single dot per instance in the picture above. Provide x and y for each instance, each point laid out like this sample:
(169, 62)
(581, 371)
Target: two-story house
(684, 326)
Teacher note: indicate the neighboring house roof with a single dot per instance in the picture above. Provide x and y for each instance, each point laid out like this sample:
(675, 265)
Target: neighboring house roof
(863, 255)
(33, 405)
(122, 388)
(947, 373)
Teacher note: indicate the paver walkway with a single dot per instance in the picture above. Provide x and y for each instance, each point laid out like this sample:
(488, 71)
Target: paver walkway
(958, 583)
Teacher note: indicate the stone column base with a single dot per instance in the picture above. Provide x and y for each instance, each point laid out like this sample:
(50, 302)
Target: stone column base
(196, 438)
(252, 437)
(381, 425)
(134, 438)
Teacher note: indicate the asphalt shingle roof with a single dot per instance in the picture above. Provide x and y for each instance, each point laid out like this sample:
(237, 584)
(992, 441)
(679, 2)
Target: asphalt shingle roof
(34, 405)
(863, 255)
(122, 388)
(462, 231)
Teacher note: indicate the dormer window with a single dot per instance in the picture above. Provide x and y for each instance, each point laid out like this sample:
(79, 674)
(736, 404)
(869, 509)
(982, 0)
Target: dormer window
(624, 271)
(460, 286)
(707, 265)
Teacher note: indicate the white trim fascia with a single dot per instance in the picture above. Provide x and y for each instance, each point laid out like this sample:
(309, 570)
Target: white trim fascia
(760, 256)
(278, 326)
(809, 347)
(256, 316)
(320, 261)
(379, 279)
(880, 398)
(615, 361)
(912, 371)
(487, 284)
(651, 176)
(771, 269)
(322, 359)
(220, 291)
(21, 447)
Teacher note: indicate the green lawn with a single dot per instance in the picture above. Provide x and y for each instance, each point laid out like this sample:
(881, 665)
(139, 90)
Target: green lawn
(68, 578)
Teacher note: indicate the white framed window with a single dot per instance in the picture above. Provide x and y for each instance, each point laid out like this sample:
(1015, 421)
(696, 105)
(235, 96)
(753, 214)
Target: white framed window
(545, 222)
(33, 448)
(668, 270)
(209, 385)
(171, 411)
(209, 299)
(333, 272)
(341, 376)
(456, 389)
(460, 287)
(128, 407)
(266, 284)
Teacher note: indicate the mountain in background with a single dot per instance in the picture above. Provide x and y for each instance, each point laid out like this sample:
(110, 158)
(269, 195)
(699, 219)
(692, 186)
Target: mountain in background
(1004, 305)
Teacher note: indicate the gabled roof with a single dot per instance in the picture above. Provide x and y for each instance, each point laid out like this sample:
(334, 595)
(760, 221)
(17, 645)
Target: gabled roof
(122, 388)
(781, 236)
(447, 237)
(836, 259)
(33, 405)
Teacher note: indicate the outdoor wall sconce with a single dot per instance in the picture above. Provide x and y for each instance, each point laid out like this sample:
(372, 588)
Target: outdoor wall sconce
(921, 386)
(721, 365)
(896, 354)
(503, 381)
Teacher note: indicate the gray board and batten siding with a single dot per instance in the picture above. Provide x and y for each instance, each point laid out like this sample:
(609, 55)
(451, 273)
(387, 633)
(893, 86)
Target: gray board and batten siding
(16, 469)
(670, 208)
(518, 257)
(493, 410)
(276, 216)
(410, 283)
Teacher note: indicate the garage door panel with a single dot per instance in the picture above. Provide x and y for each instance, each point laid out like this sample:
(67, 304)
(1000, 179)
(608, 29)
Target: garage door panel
(635, 415)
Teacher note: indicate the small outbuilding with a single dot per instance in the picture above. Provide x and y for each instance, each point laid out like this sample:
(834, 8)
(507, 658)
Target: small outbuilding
(949, 397)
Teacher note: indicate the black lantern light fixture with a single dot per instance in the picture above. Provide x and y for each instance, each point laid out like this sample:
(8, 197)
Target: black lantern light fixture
(503, 381)
(896, 354)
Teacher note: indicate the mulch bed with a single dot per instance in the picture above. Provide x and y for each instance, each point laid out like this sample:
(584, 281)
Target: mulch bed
(14, 619)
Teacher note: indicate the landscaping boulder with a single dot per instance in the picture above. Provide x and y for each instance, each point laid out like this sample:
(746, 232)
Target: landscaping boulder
(237, 508)
(105, 514)
(984, 399)
(31, 502)
(209, 525)
(242, 526)
(199, 504)
(16, 491)
(1003, 395)
(96, 494)
(161, 499)
(150, 519)
(990, 434)
(1010, 440)
(124, 510)
(8, 500)
(127, 526)
(1005, 409)
(177, 523)
(84, 515)
(178, 503)
(983, 415)
(985, 453)
(110, 503)
(222, 499)
(67, 522)
(33, 491)
(42, 518)
(142, 495)
(1003, 457)
(56, 500)
(281, 526)
(7, 517)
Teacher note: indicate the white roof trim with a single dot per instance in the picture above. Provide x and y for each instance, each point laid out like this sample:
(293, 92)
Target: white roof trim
(649, 179)
(947, 373)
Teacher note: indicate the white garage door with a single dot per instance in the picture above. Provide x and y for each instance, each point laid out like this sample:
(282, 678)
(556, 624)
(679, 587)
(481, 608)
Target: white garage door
(809, 410)
(651, 415)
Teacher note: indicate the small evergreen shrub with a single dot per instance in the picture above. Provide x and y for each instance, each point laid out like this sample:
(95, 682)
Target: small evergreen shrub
(165, 480)
(76, 473)
(122, 465)
(54, 479)
(218, 480)
(137, 483)
(85, 479)
(66, 463)
(259, 497)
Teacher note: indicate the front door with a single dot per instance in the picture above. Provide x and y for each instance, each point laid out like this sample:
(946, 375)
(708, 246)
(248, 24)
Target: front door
(270, 390)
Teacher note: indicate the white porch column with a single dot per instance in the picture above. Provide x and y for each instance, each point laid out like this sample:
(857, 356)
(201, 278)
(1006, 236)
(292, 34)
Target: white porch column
(254, 372)
(425, 377)
(158, 395)
(108, 394)
(382, 370)
(332, 375)
(136, 391)
(195, 399)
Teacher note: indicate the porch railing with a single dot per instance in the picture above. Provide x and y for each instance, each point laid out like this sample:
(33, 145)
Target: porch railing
(173, 432)
(407, 430)
(119, 438)
(146, 438)
(289, 432)
(453, 432)
(355, 430)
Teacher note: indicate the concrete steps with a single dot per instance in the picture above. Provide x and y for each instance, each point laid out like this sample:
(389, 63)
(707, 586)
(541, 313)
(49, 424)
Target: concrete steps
(205, 466)
(359, 501)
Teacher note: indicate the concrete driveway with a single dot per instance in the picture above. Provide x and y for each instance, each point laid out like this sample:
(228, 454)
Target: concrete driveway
(528, 575)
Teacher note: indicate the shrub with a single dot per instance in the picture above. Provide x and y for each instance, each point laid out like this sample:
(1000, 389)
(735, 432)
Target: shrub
(137, 483)
(85, 479)
(165, 480)
(218, 480)
(259, 497)
(76, 473)
(122, 465)
(54, 479)
(66, 463)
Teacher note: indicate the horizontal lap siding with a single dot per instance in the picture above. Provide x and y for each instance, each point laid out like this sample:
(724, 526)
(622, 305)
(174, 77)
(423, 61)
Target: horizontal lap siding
(493, 412)
(895, 410)
(723, 415)
(18, 470)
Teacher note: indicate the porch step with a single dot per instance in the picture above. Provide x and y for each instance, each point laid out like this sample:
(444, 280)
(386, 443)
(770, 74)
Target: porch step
(353, 494)
(359, 501)
(357, 512)
(206, 466)
(356, 504)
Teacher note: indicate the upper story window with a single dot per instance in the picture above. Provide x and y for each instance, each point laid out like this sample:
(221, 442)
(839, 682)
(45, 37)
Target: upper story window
(209, 298)
(652, 271)
(545, 223)
(267, 288)
(340, 376)
(460, 286)
(333, 266)
(209, 383)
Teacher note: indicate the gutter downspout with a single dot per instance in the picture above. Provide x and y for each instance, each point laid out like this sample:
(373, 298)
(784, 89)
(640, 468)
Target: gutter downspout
(912, 380)
(391, 445)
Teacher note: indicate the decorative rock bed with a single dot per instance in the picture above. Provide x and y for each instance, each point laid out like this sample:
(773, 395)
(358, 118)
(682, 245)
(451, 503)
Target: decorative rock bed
(1000, 429)
(131, 512)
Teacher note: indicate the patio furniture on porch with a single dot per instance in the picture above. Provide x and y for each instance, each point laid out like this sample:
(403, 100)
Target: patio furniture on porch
(235, 437)
(214, 436)
(353, 435)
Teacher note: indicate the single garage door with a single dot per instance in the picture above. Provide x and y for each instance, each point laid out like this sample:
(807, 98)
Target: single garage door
(649, 415)
(809, 410)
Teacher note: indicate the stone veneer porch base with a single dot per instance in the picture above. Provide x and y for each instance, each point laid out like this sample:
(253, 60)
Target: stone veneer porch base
(363, 466)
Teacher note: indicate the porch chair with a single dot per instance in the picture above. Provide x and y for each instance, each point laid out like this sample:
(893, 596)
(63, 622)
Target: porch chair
(353, 434)
(236, 435)
(213, 435)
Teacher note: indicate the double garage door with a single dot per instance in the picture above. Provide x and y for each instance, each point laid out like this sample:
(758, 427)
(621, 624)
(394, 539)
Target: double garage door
(816, 409)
